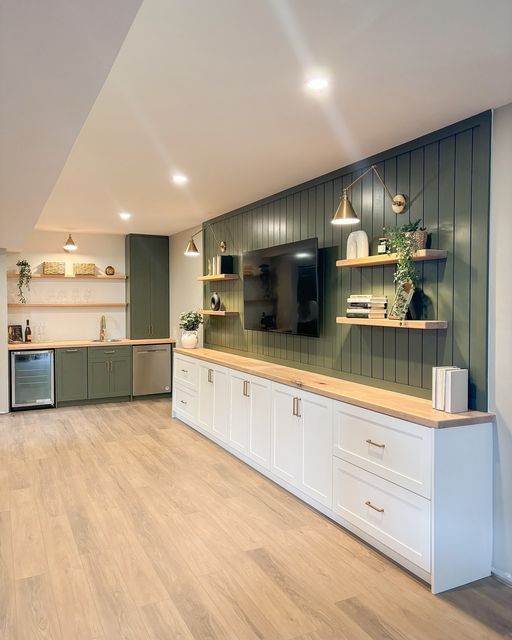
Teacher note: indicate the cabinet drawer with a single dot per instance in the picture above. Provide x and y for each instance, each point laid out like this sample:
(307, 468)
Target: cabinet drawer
(186, 371)
(394, 516)
(107, 352)
(394, 449)
(185, 402)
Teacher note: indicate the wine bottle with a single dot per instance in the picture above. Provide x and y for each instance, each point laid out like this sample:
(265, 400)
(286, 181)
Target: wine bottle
(28, 333)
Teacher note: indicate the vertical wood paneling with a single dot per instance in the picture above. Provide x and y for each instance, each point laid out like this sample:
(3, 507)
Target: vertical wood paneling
(446, 179)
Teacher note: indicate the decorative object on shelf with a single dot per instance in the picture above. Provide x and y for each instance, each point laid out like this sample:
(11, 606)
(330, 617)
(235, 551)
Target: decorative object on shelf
(210, 267)
(345, 213)
(366, 306)
(190, 322)
(110, 271)
(15, 333)
(54, 268)
(419, 234)
(450, 389)
(358, 245)
(403, 297)
(24, 278)
(383, 246)
(70, 245)
(84, 268)
(192, 249)
(215, 301)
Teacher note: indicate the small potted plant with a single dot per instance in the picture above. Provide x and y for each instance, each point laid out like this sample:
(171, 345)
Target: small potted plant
(190, 322)
(24, 278)
(420, 234)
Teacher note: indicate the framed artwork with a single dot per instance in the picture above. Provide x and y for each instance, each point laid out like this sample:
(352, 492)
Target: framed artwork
(15, 333)
(402, 301)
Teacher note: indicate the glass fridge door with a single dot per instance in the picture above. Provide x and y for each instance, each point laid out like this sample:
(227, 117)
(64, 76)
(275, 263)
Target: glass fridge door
(32, 378)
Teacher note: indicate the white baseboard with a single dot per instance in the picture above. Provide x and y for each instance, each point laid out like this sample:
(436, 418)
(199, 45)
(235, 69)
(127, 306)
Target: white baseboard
(503, 576)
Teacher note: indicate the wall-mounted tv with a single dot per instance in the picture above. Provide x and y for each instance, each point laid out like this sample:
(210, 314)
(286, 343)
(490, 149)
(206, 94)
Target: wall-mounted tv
(281, 292)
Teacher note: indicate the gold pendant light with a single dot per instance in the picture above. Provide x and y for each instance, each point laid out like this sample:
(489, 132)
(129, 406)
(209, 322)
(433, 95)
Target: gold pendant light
(70, 245)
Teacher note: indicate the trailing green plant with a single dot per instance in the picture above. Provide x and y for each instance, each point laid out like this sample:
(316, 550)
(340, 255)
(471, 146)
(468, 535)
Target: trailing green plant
(190, 320)
(404, 244)
(24, 278)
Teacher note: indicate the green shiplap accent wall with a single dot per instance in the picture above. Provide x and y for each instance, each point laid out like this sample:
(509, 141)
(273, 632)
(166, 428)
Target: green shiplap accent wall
(445, 176)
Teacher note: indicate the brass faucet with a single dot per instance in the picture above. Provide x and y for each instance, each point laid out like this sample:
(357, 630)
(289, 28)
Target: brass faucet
(103, 328)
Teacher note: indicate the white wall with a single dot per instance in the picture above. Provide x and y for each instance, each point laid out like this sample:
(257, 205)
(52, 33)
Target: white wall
(78, 323)
(186, 291)
(4, 359)
(500, 337)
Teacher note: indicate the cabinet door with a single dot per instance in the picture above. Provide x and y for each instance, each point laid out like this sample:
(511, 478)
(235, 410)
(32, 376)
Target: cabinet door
(99, 378)
(138, 269)
(71, 374)
(120, 376)
(316, 456)
(259, 391)
(239, 424)
(205, 409)
(286, 435)
(220, 423)
(159, 305)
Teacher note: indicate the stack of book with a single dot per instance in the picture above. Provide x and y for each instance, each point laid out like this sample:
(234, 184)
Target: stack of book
(450, 389)
(366, 306)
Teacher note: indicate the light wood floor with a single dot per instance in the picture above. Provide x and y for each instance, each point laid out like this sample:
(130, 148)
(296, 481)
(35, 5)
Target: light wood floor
(117, 522)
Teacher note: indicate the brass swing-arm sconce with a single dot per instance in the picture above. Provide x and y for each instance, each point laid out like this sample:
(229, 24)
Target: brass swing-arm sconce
(345, 213)
(192, 249)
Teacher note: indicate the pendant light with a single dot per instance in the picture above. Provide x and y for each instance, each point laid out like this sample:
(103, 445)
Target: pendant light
(70, 245)
(345, 213)
(192, 250)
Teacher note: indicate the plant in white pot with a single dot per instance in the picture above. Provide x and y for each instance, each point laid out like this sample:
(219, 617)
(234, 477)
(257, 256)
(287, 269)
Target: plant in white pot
(190, 322)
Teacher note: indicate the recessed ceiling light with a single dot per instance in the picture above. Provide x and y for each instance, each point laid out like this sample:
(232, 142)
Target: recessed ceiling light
(317, 84)
(178, 178)
(125, 215)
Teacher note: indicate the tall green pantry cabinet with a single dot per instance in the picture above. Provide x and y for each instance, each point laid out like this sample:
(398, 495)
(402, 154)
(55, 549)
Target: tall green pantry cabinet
(147, 293)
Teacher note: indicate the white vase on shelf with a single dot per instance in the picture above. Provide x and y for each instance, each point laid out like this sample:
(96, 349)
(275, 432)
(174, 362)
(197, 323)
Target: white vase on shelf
(358, 245)
(189, 339)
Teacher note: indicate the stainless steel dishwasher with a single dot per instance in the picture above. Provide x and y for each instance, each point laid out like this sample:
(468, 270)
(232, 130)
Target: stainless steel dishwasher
(151, 369)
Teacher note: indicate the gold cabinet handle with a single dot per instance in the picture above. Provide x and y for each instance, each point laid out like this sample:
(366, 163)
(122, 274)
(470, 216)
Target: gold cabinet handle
(369, 504)
(296, 407)
(71, 350)
(376, 444)
(183, 402)
(293, 406)
(210, 375)
(246, 388)
(185, 370)
(298, 414)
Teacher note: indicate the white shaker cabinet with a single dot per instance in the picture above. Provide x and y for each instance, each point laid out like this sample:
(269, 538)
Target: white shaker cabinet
(213, 410)
(302, 441)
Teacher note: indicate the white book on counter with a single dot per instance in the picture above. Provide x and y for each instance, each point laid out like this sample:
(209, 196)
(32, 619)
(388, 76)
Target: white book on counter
(438, 386)
(456, 390)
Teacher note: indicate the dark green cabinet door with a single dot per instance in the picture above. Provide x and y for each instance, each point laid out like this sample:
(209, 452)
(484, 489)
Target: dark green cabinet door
(160, 287)
(99, 378)
(120, 377)
(71, 374)
(147, 268)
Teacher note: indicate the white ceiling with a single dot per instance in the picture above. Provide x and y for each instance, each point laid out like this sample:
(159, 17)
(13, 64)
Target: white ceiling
(215, 90)
(54, 58)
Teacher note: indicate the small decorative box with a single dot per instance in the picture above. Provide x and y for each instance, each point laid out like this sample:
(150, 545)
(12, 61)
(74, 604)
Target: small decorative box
(84, 269)
(54, 268)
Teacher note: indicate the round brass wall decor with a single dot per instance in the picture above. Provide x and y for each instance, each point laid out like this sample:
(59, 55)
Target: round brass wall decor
(110, 271)
(399, 203)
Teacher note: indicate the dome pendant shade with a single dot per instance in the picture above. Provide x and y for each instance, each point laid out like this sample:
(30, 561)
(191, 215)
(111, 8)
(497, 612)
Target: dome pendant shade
(70, 245)
(191, 249)
(345, 213)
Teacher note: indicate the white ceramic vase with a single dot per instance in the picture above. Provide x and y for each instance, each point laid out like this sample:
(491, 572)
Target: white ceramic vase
(189, 339)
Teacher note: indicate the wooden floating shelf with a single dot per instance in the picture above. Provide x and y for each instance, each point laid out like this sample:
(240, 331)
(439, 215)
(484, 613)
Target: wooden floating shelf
(374, 261)
(43, 276)
(62, 305)
(219, 277)
(209, 312)
(397, 324)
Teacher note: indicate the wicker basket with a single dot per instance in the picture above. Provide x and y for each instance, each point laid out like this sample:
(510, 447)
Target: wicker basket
(84, 269)
(420, 238)
(54, 268)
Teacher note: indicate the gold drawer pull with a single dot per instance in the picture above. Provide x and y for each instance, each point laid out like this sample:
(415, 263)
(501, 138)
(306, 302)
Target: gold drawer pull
(185, 370)
(375, 444)
(183, 402)
(369, 504)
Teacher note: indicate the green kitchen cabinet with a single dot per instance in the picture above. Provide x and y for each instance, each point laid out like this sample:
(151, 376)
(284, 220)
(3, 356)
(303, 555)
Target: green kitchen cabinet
(109, 372)
(147, 268)
(71, 374)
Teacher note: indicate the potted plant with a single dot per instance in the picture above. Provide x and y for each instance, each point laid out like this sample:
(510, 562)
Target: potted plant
(190, 322)
(420, 234)
(24, 278)
(403, 242)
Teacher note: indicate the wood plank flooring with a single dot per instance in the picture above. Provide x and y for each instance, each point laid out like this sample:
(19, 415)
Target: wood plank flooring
(117, 522)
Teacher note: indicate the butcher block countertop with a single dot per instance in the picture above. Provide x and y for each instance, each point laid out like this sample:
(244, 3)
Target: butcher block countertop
(73, 344)
(391, 403)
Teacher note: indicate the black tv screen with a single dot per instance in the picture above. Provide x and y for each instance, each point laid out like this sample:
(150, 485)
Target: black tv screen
(281, 289)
